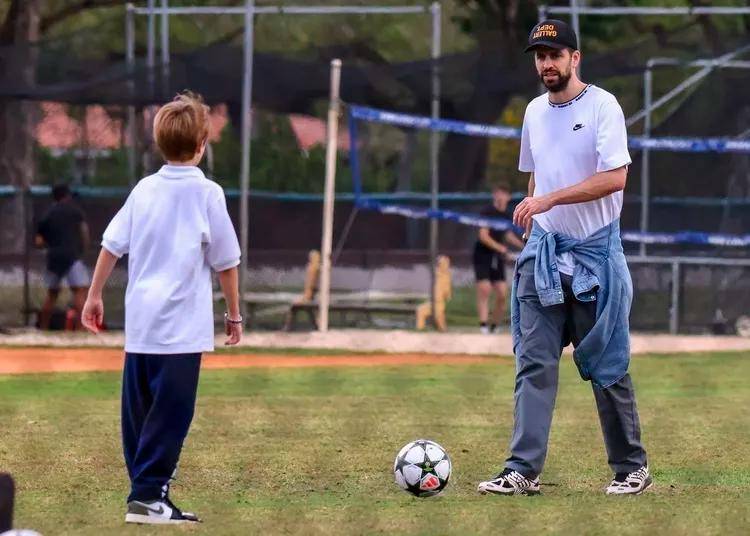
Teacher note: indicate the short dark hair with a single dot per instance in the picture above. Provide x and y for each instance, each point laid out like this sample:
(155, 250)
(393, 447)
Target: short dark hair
(60, 192)
(501, 185)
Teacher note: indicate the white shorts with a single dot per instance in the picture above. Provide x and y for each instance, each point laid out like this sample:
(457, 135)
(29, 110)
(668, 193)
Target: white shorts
(77, 276)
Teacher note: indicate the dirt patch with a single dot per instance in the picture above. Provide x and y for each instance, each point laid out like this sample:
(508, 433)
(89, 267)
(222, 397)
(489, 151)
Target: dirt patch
(38, 360)
(398, 342)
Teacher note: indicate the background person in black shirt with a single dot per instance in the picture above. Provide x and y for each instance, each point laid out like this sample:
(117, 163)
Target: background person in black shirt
(490, 253)
(65, 234)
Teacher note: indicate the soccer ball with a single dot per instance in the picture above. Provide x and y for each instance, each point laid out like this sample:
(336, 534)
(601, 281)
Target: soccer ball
(422, 468)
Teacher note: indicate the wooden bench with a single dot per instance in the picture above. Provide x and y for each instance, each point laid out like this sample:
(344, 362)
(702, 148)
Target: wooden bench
(369, 302)
(289, 304)
(311, 309)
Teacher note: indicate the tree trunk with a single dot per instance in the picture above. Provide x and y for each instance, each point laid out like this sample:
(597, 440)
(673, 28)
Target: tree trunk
(463, 159)
(17, 120)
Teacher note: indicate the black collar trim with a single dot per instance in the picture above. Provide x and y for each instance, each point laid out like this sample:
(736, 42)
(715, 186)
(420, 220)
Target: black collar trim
(571, 101)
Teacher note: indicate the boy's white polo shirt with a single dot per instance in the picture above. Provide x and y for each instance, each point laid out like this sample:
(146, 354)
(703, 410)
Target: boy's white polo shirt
(566, 143)
(175, 228)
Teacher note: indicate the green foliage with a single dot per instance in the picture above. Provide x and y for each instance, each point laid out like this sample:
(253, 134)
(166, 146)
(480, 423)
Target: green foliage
(52, 169)
(106, 169)
(276, 162)
(227, 158)
(503, 154)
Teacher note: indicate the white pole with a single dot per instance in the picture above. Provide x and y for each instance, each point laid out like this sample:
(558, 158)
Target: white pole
(674, 308)
(150, 48)
(130, 61)
(576, 26)
(541, 16)
(150, 66)
(434, 151)
(645, 154)
(247, 99)
(165, 49)
(330, 189)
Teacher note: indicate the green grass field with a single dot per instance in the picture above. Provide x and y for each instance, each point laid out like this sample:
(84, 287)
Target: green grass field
(309, 451)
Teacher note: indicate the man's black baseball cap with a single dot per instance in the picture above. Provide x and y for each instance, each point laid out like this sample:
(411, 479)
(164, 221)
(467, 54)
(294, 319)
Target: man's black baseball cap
(554, 34)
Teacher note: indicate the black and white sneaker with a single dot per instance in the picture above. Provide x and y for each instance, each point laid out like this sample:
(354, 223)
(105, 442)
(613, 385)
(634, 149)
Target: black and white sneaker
(162, 512)
(510, 482)
(633, 483)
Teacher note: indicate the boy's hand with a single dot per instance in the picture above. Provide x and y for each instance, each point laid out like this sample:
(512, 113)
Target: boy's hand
(92, 315)
(233, 329)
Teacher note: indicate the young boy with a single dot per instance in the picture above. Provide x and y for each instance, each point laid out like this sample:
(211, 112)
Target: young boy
(175, 228)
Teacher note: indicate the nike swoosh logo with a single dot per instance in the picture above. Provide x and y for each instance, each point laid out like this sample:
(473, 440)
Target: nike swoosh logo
(158, 511)
(579, 126)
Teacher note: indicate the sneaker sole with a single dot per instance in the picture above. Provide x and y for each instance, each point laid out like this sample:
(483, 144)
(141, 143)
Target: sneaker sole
(140, 519)
(648, 484)
(484, 491)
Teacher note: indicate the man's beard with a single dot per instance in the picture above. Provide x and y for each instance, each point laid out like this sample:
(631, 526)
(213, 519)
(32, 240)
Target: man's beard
(559, 85)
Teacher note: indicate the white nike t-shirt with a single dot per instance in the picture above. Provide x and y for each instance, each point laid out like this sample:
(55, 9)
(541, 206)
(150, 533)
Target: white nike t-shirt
(175, 228)
(564, 144)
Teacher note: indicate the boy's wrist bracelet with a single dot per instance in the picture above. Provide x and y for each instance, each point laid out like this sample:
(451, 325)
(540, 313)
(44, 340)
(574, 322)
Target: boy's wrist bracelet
(227, 319)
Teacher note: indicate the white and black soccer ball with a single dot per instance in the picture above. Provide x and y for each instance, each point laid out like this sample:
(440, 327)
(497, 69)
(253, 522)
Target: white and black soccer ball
(422, 468)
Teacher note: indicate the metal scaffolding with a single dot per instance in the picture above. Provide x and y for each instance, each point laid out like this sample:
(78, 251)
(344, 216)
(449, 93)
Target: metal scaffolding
(576, 11)
(250, 11)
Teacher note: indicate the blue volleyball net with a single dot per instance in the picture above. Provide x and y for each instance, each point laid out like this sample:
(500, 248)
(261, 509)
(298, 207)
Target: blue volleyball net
(412, 204)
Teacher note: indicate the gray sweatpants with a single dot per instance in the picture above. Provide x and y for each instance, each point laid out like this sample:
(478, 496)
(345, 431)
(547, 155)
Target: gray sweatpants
(545, 331)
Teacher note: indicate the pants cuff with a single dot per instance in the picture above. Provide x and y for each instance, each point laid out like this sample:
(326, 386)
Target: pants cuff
(145, 494)
(524, 470)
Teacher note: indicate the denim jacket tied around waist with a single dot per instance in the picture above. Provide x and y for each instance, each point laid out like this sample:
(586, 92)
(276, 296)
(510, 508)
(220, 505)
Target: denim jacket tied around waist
(601, 273)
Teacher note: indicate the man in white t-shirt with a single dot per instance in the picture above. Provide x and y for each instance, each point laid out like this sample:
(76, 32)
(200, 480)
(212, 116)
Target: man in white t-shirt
(571, 282)
(175, 229)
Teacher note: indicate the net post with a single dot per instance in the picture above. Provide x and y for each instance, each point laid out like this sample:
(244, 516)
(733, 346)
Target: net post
(674, 309)
(575, 19)
(247, 99)
(130, 61)
(541, 16)
(645, 155)
(354, 158)
(330, 189)
(165, 49)
(150, 75)
(541, 12)
(435, 9)
(150, 47)
(28, 240)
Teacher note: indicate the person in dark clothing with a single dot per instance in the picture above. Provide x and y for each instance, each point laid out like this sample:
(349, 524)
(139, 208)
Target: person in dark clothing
(490, 252)
(64, 233)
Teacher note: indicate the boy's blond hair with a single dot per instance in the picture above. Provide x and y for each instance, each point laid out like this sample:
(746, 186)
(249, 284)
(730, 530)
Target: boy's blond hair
(181, 127)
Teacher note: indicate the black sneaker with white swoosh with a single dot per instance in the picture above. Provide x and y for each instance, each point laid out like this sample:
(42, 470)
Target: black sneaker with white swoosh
(577, 126)
(162, 512)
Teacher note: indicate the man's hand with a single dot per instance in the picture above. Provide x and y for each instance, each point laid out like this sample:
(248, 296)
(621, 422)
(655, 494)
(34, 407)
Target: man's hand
(92, 316)
(529, 207)
(233, 330)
